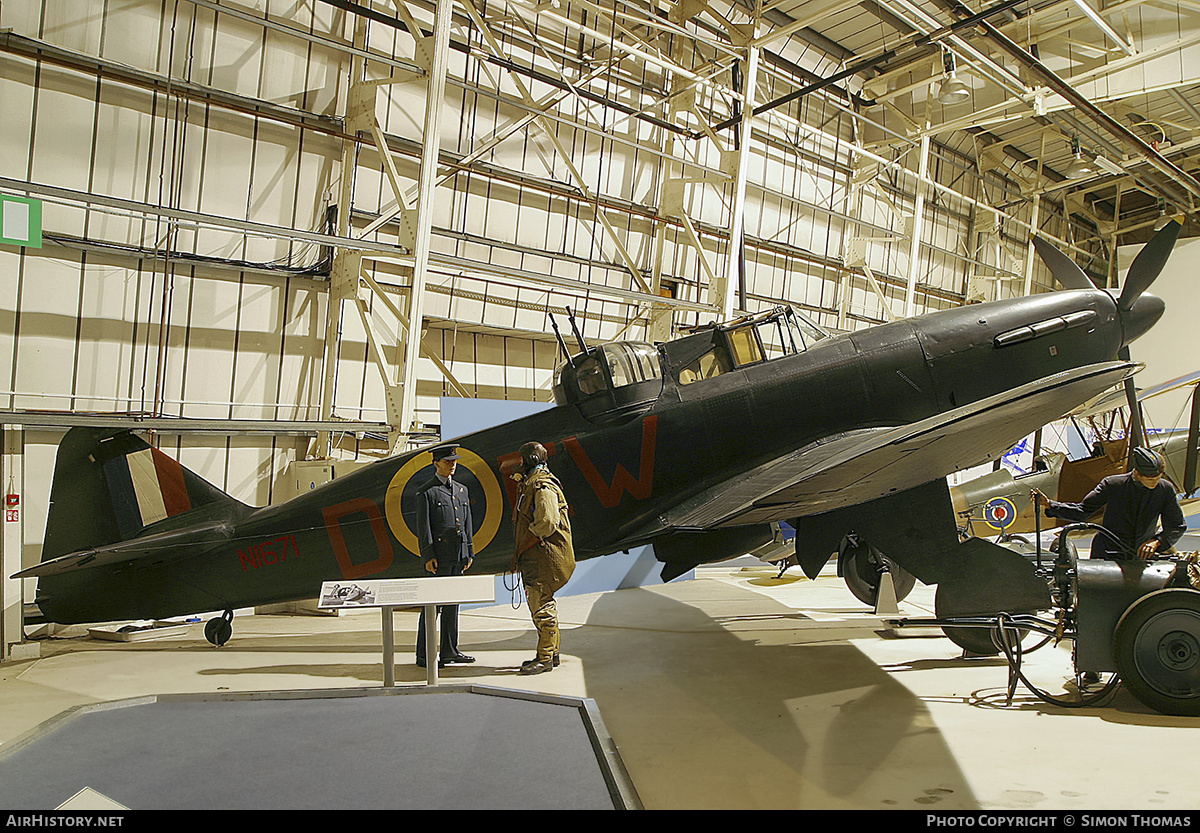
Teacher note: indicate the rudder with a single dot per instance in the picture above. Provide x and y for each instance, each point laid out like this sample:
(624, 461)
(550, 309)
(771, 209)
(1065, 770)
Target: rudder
(109, 485)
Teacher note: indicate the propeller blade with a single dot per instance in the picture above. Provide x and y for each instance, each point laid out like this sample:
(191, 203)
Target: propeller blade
(1192, 454)
(1064, 270)
(1136, 435)
(1149, 263)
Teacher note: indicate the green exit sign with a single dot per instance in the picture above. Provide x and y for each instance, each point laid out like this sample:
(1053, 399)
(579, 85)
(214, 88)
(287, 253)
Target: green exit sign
(20, 222)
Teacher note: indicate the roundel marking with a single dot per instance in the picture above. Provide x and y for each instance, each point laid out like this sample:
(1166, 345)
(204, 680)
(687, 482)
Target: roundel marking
(999, 513)
(493, 499)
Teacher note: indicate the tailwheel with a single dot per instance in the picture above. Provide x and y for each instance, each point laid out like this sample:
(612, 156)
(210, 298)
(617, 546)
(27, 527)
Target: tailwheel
(1157, 645)
(976, 641)
(862, 569)
(218, 629)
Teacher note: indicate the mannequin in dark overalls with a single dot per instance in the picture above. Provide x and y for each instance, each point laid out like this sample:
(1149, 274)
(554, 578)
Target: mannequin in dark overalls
(1134, 505)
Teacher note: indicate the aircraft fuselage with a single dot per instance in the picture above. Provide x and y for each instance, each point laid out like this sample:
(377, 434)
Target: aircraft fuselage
(622, 469)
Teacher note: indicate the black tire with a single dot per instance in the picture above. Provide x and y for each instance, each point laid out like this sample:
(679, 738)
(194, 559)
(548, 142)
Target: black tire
(862, 577)
(218, 630)
(976, 641)
(1157, 644)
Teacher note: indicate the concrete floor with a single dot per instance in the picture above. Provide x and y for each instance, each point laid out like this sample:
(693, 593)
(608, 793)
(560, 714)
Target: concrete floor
(734, 690)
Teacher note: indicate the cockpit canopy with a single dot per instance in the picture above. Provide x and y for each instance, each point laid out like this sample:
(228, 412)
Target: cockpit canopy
(712, 350)
(614, 376)
(623, 377)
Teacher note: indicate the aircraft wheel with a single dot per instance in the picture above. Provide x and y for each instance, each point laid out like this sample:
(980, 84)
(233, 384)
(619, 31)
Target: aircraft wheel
(218, 629)
(976, 641)
(862, 575)
(1157, 646)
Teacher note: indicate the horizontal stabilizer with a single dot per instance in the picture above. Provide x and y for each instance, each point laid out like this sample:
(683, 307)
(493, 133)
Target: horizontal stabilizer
(164, 547)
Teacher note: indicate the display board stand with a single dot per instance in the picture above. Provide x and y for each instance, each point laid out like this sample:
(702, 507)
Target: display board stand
(389, 594)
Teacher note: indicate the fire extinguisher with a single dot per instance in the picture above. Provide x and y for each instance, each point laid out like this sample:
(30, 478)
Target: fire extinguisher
(11, 498)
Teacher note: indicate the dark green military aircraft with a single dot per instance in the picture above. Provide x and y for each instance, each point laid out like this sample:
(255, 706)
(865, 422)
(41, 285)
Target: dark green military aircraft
(696, 446)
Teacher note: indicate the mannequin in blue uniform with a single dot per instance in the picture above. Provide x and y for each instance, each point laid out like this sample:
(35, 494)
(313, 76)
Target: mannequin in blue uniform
(444, 532)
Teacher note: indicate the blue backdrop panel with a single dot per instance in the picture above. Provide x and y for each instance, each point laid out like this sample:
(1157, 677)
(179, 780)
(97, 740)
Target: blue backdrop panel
(636, 568)
(464, 416)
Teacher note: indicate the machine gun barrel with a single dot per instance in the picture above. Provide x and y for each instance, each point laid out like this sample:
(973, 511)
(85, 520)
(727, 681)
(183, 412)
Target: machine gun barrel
(562, 344)
(578, 335)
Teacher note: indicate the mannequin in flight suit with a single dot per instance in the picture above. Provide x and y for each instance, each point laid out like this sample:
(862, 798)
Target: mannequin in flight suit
(544, 552)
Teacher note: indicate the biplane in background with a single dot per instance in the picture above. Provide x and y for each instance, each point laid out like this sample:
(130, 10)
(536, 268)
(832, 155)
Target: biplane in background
(697, 446)
(999, 504)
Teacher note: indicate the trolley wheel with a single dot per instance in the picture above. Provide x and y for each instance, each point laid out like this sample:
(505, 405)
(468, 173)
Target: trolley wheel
(862, 575)
(218, 629)
(1157, 645)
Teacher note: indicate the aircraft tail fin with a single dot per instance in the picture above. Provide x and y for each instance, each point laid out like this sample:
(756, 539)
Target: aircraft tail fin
(109, 485)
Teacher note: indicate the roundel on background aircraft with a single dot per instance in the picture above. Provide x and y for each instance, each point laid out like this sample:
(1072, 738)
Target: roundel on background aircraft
(999, 513)
(487, 499)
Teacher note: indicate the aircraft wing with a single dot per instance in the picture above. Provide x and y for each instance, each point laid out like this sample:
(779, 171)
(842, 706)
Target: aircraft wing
(855, 467)
(1174, 384)
(1119, 399)
(163, 547)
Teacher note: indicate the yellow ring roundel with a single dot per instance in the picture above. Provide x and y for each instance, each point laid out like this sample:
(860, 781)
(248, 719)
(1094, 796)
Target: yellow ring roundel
(492, 495)
(1000, 513)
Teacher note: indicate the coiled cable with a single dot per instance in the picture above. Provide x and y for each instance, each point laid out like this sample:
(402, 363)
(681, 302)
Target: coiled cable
(1008, 637)
(518, 588)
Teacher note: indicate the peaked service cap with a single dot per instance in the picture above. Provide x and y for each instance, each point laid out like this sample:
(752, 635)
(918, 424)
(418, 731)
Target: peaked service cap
(446, 452)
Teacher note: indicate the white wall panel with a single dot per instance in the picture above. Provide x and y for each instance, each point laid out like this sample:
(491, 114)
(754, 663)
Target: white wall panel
(221, 164)
(202, 335)
(302, 347)
(125, 153)
(10, 265)
(62, 22)
(289, 75)
(272, 190)
(133, 32)
(235, 62)
(250, 469)
(62, 140)
(49, 301)
(464, 308)
(107, 337)
(354, 373)
(17, 97)
(400, 107)
(256, 371)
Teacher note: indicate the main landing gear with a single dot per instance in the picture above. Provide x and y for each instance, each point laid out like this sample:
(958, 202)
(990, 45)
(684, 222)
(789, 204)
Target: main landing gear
(218, 629)
(863, 567)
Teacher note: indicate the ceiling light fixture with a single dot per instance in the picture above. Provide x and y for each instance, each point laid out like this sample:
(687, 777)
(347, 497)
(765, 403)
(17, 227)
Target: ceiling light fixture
(1079, 166)
(953, 91)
